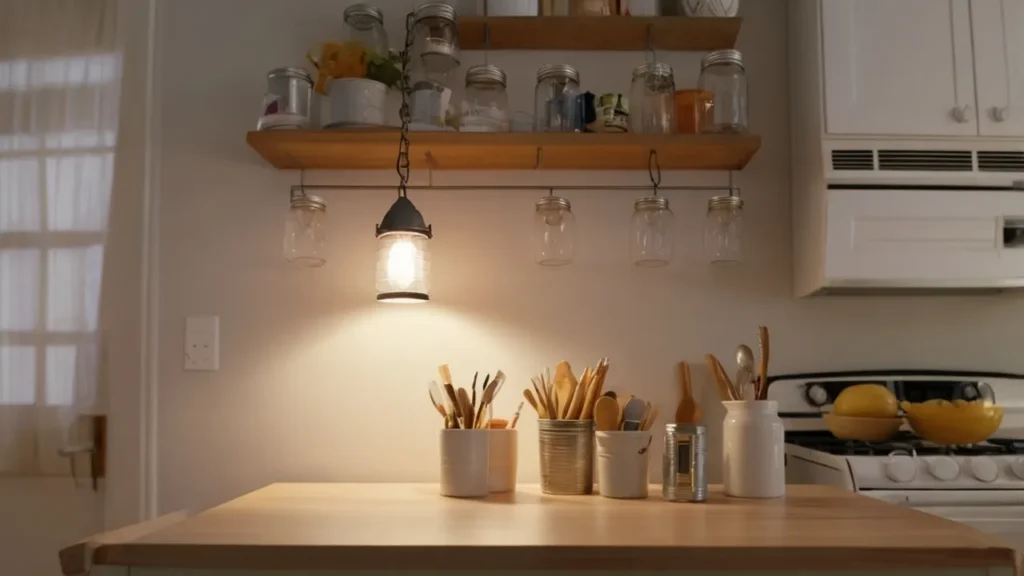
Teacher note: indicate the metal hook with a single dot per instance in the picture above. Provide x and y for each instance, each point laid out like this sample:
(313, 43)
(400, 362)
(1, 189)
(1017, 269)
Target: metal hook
(654, 170)
(733, 190)
(540, 158)
(650, 43)
(487, 43)
(429, 158)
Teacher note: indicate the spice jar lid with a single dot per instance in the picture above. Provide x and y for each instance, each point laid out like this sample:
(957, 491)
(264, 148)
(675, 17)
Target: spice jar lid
(363, 16)
(651, 202)
(290, 72)
(485, 73)
(309, 201)
(722, 57)
(558, 70)
(653, 69)
(719, 202)
(553, 202)
(434, 10)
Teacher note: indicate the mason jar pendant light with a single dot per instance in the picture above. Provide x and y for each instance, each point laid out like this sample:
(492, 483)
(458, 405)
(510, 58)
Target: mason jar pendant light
(651, 230)
(723, 228)
(554, 232)
(305, 230)
(403, 237)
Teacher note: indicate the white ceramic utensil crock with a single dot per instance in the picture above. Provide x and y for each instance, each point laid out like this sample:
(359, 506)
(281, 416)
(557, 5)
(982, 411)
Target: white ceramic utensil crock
(622, 459)
(503, 460)
(753, 450)
(464, 462)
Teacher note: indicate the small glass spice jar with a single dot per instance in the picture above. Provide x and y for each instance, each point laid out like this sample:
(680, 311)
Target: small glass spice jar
(723, 75)
(723, 230)
(305, 230)
(436, 39)
(554, 232)
(558, 99)
(652, 108)
(365, 24)
(288, 101)
(651, 232)
(485, 104)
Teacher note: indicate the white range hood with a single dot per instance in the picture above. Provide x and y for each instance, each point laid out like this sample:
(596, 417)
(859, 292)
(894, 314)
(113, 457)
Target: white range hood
(933, 211)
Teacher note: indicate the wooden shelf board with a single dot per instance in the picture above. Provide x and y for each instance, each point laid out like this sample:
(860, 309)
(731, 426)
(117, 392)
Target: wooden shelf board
(338, 150)
(598, 32)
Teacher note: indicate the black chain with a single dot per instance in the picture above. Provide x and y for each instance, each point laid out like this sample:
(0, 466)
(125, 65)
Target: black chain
(654, 171)
(402, 164)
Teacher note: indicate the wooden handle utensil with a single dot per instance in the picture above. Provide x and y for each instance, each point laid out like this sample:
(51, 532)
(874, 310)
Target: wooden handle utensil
(762, 367)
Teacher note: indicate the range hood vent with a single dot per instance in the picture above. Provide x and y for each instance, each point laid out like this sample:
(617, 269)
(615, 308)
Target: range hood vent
(1001, 161)
(926, 160)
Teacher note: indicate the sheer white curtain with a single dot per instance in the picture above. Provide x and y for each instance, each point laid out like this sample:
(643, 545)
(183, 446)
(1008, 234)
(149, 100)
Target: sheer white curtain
(60, 78)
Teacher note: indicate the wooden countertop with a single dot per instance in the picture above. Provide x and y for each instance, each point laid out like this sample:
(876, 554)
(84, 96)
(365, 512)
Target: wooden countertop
(410, 526)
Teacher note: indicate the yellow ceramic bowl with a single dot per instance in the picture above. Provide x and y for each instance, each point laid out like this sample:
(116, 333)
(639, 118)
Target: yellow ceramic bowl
(861, 428)
(954, 424)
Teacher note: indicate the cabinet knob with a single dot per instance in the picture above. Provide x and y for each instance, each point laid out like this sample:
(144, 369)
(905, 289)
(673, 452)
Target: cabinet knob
(1000, 113)
(962, 113)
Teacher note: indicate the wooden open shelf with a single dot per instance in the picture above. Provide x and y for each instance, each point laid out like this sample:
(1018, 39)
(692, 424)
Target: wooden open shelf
(598, 33)
(339, 150)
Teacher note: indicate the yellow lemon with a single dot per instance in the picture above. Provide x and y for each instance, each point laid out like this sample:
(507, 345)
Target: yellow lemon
(866, 401)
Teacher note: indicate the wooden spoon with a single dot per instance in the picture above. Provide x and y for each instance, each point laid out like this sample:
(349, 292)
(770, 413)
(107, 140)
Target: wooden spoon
(688, 411)
(564, 384)
(436, 398)
(651, 417)
(539, 407)
(607, 414)
(762, 368)
(467, 409)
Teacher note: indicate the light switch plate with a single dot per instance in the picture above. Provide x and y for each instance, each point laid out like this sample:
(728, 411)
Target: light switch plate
(202, 343)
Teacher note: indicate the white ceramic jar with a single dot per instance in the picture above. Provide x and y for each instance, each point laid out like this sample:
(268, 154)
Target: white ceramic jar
(753, 450)
(464, 463)
(711, 8)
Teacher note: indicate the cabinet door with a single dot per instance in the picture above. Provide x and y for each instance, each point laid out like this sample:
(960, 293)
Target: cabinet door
(900, 68)
(998, 27)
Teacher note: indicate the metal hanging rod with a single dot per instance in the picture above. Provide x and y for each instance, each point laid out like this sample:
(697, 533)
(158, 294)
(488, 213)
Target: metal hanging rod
(301, 187)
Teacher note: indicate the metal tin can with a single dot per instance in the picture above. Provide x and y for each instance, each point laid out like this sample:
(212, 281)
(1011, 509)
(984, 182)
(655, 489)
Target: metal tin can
(566, 456)
(684, 465)
(288, 100)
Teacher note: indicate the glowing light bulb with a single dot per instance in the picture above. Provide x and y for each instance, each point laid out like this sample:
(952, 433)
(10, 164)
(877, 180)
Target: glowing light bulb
(402, 264)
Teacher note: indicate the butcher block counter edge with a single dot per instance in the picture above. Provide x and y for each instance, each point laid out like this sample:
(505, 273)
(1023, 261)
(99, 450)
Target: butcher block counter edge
(412, 527)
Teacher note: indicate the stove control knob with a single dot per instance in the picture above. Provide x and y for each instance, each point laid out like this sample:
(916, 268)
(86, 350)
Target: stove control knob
(817, 395)
(901, 469)
(984, 469)
(1018, 468)
(944, 468)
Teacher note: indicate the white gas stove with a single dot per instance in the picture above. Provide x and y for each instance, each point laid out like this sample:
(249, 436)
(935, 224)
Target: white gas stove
(981, 485)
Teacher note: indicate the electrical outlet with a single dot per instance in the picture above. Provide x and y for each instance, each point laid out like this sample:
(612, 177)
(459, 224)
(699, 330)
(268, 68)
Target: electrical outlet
(202, 343)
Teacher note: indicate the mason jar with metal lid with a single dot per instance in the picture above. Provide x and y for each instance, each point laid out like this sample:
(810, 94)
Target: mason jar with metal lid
(430, 106)
(485, 103)
(365, 25)
(554, 232)
(558, 103)
(723, 74)
(652, 108)
(723, 230)
(305, 230)
(651, 232)
(436, 38)
(288, 100)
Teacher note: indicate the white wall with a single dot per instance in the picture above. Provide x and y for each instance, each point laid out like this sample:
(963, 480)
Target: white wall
(318, 382)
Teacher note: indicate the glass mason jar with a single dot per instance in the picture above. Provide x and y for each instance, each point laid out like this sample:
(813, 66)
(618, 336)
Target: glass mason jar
(558, 101)
(485, 104)
(305, 231)
(403, 267)
(435, 39)
(723, 230)
(722, 73)
(651, 232)
(652, 108)
(365, 24)
(554, 232)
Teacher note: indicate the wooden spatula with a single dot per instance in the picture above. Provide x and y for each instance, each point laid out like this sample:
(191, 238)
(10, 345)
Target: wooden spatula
(564, 383)
(541, 412)
(688, 411)
(607, 414)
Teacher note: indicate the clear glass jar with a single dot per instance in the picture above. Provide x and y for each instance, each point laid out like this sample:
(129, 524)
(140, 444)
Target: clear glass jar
(305, 231)
(485, 103)
(554, 232)
(722, 73)
(651, 232)
(435, 39)
(431, 107)
(723, 230)
(652, 108)
(365, 24)
(403, 267)
(558, 101)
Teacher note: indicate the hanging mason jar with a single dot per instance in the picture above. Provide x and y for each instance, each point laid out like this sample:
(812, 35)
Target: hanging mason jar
(305, 230)
(554, 232)
(723, 75)
(723, 230)
(365, 24)
(651, 232)
(652, 107)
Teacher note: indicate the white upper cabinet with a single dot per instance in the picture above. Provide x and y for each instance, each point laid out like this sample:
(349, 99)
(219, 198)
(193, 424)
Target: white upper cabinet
(900, 67)
(999, 65)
